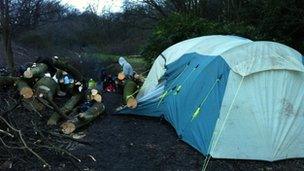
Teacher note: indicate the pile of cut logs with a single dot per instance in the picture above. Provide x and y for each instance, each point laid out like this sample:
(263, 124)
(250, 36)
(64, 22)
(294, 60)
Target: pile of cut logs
(43, 81)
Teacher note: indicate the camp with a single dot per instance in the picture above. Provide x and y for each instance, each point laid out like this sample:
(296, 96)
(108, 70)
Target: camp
(229, 97)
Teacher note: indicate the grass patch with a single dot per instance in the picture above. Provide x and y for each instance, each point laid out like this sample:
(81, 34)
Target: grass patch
(137, 62)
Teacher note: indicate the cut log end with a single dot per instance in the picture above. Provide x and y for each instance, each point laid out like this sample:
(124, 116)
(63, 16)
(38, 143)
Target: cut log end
(28, 74)
(26, 92)
(121, 76)
(68, 127)
(94, 92)
(132, 103)
(97, 98)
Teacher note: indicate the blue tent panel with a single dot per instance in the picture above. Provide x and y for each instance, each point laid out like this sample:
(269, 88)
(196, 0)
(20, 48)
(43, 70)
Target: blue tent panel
(195, 88)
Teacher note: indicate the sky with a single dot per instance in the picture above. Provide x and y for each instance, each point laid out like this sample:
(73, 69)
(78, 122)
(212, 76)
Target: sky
(101, 5)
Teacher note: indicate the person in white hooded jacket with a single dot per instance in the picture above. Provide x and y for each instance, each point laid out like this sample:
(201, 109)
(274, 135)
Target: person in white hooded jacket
(126, 67)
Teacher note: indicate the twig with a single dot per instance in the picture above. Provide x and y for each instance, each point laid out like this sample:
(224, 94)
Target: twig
(11, 109)
(7, 133)
(61, 150)
(24, 143)
(36, 129)
(68, 137)
(7, 146)
(44, 103)
(33, 108)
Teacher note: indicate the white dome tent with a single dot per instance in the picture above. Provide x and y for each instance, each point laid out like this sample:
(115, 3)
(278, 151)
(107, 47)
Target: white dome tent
(230, 97)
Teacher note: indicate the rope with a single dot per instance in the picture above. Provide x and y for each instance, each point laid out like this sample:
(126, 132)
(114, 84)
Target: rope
(163, 58)
(188, 76)
(198, 110)
(207, 159)
(132, 95)
(166, 92)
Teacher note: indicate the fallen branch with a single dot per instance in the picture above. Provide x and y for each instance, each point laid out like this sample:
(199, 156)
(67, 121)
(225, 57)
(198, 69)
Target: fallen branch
(68, 137)
(25, 146)
(12, 108)
(7, 133)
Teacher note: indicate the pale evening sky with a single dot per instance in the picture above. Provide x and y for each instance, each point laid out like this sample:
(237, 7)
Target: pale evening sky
(101, 5)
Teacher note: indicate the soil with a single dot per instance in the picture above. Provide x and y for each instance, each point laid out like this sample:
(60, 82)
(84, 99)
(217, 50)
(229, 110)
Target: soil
(129, 142)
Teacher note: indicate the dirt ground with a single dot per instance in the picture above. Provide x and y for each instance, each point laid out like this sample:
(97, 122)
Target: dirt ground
(122, 142)
(128, 142)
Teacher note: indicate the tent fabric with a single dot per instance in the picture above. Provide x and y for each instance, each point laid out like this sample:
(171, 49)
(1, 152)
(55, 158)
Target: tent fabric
(266, 118)
(178, 101)
(206, 45)
(261, 56)
(229, 97)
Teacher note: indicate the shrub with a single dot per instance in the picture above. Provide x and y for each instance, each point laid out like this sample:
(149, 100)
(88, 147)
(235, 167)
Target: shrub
(178, 27)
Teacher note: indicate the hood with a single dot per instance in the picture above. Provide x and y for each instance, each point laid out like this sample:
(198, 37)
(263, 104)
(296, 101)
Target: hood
(122, 61)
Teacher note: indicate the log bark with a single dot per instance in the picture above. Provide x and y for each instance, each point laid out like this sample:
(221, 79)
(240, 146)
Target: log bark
(45, 88)
(7, 81)
(66, 109)
(24, 89)
(83, 119)
(129, 93)
(65, 66)
(36, 72)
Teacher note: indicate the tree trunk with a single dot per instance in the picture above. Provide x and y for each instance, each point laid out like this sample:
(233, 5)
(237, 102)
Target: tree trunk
(7, 35)
(66, 109)
(129, 93)
(36, 72)
(83, 119)
(45, 88)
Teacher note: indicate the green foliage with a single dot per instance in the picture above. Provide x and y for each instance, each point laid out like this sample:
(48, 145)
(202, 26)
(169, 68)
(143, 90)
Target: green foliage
(273, 20)
(178, 27)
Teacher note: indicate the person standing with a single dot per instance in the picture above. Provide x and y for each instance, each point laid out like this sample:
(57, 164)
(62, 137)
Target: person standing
(127, 69)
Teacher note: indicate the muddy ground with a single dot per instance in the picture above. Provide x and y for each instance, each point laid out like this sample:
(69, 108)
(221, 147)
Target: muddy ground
(131, 142)
(120, 142)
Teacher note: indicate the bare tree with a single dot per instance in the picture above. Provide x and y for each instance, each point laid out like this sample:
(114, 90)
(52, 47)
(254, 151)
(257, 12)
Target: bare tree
(6, 29)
